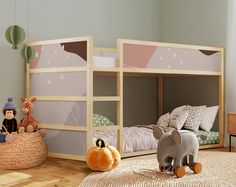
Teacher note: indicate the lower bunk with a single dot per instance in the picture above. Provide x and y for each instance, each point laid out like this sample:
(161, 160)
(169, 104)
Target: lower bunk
(136, 139)
(139, 139)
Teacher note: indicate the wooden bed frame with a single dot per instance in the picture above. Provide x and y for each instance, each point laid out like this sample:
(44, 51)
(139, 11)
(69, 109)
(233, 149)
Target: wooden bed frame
(123, 47)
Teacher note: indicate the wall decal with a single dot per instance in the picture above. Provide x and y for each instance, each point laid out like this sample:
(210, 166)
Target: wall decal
(79, 48)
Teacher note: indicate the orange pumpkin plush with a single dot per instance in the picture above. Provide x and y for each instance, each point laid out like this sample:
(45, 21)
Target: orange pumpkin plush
(102, 157)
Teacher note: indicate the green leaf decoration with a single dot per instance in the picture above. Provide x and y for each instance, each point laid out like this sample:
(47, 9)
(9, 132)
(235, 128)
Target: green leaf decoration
(28, 53)
(15, 35)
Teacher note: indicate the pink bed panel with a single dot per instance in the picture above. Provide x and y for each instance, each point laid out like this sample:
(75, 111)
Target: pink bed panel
(58, 84)
(70, 54)
(170, 58)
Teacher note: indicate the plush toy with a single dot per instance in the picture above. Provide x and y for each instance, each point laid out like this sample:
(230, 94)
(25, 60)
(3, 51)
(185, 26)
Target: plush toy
(177, 150)
(102, 157)
(6, 138)
(9, 112)
(28, 123)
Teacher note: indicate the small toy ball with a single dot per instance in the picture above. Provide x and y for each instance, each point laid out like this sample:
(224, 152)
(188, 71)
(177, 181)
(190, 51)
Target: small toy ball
(102, 157)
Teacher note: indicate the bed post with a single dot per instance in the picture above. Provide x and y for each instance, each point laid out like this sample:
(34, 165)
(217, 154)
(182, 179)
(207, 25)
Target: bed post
(221, 101)
(120, 94)
(89, 94)
(160, 95)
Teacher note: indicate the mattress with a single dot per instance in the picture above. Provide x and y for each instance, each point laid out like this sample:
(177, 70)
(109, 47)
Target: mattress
(207, 137)
(204, 137)
(142, 139)
(134, 138)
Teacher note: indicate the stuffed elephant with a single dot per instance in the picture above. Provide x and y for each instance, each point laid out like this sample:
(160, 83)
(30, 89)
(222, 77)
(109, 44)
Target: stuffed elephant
(177, 150)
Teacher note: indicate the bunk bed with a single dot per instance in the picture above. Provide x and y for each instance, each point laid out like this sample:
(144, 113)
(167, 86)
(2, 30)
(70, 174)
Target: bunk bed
(61, 77)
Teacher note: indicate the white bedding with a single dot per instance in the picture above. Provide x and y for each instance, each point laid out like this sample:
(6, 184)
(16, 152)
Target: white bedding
(105, 62)
(134, 138)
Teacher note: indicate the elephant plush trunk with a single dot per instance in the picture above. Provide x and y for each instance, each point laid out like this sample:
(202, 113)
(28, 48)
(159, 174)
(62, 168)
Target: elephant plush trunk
(164, 161)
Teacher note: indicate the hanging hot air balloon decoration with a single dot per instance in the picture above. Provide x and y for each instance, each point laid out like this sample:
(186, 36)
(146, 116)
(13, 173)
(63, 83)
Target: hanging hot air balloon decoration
(15, 35)
(28, 53)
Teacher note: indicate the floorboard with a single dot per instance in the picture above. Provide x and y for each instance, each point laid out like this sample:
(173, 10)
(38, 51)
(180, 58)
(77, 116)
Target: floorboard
(53, 173)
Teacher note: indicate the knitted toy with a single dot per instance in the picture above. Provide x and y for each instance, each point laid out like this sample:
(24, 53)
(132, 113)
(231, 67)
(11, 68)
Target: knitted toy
(102, 157)
(177, 150)
(28, 123)
(9, 112)
(6, 138)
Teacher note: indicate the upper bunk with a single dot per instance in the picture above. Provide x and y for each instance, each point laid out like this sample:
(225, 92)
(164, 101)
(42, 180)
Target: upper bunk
(166, 58)
(137, 57)
(130, 56)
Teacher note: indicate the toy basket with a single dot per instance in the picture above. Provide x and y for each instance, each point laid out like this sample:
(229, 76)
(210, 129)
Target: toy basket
(26, 151)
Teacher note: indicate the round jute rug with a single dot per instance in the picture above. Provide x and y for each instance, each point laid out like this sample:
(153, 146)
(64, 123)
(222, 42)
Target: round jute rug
(219, 169)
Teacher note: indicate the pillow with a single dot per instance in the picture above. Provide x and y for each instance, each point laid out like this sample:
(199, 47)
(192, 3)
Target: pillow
(178, 119)
(99, 120)
(180, 108)
(164, 120)
(194, 118)
(208, 118)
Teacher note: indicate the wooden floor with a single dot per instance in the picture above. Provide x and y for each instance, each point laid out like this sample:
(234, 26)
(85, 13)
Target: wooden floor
(53, 173)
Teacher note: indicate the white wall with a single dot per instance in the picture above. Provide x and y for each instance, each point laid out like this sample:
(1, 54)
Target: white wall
(231, 58)
(12, 76)
(197, 22)
(106, 20)
(230, 76)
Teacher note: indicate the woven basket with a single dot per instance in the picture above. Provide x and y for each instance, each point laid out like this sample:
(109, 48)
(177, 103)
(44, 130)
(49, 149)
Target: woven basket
(28, 150)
